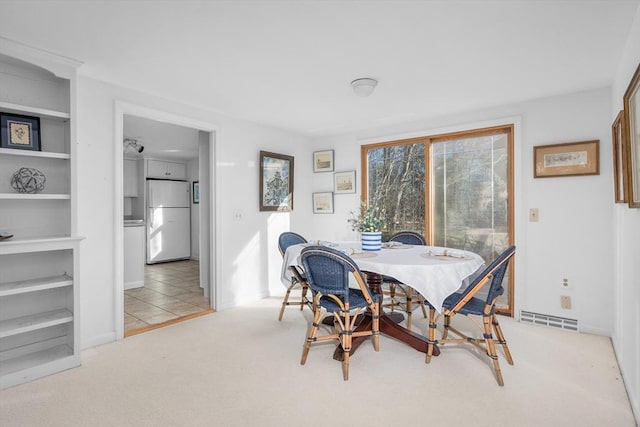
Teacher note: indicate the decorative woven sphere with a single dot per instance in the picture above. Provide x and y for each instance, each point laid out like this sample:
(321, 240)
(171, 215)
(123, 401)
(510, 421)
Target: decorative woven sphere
(28, 180)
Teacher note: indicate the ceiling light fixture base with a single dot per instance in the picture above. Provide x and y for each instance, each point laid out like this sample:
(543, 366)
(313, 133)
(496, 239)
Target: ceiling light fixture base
(364, 87)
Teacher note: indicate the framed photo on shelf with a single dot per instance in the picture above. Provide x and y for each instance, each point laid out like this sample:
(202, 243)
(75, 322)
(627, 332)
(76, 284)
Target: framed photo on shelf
(195, 192)
(323, 161)
(21, 132)
(323, 203)
(619, 159)
(570, 159)
(344, 182)
(276, 182)
(632, 140)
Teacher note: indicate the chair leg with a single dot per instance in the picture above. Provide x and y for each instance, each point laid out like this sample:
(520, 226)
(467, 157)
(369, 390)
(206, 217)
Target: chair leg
(303, 299)
(345, 341)
(422, 306)
(312, 333)
(345, 365)
(375, 326)
(409, 306)
(446, 325)
(432, 334)
(392, 296)
(501, 339)
(285, 301)
(491, 348)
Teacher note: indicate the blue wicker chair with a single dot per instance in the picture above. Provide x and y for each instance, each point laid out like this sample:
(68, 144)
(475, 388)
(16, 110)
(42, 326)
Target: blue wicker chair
(285, 240)
(467, 304)
(328, 272)
(400, 295)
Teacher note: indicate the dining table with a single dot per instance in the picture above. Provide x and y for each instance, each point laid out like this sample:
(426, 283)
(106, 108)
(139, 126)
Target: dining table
(433, 271)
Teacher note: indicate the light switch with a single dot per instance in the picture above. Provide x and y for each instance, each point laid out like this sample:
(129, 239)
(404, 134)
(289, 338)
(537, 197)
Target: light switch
(533, 215)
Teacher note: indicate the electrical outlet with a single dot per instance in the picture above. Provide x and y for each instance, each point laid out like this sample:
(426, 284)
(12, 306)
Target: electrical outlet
(237, 215)
(565, 283)
(565, 302)
(533, 215)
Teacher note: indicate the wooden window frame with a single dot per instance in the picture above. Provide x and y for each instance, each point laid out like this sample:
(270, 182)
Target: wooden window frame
(428, 142)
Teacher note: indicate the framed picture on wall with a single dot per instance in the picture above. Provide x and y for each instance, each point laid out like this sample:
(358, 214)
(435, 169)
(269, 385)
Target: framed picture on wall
(276, 182)
(570, 159)
(323, 203)
(619, 159)
(196, 192)
(344, 182)
(632, 140)
(323, 161)
(21, 132)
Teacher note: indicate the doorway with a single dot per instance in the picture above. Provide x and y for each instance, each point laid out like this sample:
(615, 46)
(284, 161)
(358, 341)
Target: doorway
(172, 291)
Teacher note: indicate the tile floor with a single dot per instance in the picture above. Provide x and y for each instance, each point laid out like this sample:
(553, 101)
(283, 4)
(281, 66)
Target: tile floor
(171, 290)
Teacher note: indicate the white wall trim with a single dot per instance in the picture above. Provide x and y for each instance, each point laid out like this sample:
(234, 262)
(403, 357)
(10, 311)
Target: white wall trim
(98, 340)
(61, 66)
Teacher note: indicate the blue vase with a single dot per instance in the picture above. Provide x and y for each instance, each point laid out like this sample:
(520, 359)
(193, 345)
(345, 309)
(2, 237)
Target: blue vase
(371, 240)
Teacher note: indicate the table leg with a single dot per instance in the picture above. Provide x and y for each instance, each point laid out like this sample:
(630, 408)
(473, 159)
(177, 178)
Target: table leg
(388, 325)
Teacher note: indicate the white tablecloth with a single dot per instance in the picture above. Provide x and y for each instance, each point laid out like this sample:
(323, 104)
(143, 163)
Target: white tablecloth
(435, 277)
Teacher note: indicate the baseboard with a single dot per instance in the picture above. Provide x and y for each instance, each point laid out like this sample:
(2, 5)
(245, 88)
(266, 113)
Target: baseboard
(98, 340)
(133, 285)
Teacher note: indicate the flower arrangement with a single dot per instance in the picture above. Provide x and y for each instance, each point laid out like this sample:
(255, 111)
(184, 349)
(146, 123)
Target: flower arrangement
(369, 218)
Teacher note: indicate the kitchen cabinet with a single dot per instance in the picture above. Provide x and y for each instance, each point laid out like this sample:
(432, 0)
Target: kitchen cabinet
(39, 289)
(130, 178)
(164, 169)
(134, 254)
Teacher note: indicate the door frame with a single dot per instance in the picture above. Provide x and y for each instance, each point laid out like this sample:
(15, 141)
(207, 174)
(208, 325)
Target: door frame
(122, 109)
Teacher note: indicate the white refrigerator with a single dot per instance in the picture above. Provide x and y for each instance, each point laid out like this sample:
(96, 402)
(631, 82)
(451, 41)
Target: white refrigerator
(168, 221)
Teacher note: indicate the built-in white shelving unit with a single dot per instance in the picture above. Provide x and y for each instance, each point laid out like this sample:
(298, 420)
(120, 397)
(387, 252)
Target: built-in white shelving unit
(39, 290)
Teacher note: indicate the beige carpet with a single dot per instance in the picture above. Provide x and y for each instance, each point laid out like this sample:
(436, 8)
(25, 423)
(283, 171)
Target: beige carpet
(241, 367)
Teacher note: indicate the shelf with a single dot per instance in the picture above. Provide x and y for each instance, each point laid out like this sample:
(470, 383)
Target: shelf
(23, 324)
(24, 109)
(39, 266)
(40, 244)
(23, 196)
(34, 359)
(29, 153)
(34, 285)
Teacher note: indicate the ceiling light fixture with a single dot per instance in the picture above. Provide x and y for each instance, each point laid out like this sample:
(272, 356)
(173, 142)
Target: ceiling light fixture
(364, 87)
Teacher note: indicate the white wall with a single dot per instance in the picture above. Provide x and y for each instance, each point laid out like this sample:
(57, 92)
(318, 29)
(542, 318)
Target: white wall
(626, 228)
(241, 247)
(573, 238)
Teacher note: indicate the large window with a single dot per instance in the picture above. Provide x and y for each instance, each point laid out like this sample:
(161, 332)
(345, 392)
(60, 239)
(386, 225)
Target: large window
(396, 184)
(456, 189)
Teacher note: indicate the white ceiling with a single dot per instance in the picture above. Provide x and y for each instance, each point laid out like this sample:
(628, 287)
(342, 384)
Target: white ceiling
(289, 63)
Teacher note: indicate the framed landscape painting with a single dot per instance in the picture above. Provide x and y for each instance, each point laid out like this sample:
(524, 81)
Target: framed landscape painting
(322, 203)
(619, 159)
(323, 161)
(632, 140)
(276, 182)
(344, 182)
(570, 159)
